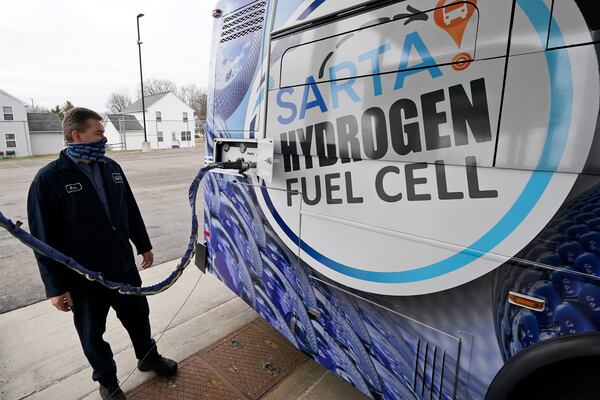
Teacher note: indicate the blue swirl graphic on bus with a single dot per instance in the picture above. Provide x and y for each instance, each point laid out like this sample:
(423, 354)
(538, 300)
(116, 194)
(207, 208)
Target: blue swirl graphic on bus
(570, 243)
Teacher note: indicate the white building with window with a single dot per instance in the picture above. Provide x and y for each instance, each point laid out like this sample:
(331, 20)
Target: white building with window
(14, 131)
(45, 133)
(123, 132)
(169, 122)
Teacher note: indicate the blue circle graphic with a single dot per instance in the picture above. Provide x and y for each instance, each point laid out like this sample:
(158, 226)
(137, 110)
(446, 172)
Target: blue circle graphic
(561, 93)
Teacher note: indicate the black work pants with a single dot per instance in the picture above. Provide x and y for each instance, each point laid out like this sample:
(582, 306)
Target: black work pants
(91, 303)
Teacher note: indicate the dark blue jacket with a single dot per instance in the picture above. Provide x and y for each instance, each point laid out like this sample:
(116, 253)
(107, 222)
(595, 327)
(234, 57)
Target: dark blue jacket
(64, 211)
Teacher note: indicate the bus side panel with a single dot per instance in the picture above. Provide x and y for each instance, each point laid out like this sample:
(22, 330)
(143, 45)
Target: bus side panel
(562, 263)
(438, 345)
(562, 267)
(534, 109)
(382, 347)
(397, 347)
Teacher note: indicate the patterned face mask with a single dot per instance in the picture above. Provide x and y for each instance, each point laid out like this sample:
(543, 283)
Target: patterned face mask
(93, 151)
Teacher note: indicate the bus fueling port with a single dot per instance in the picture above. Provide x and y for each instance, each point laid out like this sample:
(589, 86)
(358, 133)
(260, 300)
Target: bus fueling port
(257, 152)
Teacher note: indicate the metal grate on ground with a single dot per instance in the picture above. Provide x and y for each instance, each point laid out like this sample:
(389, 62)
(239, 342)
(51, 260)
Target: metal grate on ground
(244, 365)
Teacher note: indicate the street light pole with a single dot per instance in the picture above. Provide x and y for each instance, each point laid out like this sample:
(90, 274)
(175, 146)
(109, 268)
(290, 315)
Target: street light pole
(145, 144)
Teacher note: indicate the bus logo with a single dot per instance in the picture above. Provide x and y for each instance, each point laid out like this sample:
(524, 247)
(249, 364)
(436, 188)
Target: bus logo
(454, 14)
(453, 17)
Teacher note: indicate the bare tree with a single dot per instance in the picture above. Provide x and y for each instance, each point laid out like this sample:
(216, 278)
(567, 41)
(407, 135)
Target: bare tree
(118, 101)
(156, 86)
(194, 97)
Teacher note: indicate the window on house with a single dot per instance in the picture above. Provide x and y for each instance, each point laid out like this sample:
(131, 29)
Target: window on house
(186, 136)
(158, 116)
(8, 113)
(159, 136)
(11, 141)
(185, 117)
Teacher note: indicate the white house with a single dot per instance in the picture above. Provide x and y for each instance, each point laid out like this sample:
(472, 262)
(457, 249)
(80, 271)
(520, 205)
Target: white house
(123, 131)
(45, 133)
(169, 122)
(14, 132)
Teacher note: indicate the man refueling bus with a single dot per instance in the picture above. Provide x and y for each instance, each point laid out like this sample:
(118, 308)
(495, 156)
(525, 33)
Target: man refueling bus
(81, 204)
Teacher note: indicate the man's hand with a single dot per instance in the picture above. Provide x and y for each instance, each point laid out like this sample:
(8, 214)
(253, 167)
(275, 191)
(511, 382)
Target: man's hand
(62, 302)
(147, 259)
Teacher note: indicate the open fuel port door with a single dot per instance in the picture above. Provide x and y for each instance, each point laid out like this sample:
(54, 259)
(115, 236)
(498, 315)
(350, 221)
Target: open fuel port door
(257, 152)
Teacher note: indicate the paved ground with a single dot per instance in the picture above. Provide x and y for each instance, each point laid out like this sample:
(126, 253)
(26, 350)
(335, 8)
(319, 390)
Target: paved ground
(40, 355)
(159, 181)
(255, 362)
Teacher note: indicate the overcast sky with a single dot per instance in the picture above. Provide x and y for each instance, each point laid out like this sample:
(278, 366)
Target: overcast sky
(53, 51)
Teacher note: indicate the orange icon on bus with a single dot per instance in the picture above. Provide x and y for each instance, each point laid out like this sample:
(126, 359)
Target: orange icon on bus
(461, 61)
(453, 16)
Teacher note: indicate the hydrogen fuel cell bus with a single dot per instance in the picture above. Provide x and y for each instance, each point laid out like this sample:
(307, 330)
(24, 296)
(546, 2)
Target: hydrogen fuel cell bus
(424, 215)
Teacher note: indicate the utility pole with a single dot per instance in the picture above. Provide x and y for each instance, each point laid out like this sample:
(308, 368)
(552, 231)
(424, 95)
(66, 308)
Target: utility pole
(145, 144)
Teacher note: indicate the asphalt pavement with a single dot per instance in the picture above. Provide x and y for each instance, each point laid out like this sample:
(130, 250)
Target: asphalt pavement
(159, 180)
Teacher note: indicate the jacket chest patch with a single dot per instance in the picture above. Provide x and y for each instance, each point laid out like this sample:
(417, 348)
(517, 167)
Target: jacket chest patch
(73, 187)
(117, 177)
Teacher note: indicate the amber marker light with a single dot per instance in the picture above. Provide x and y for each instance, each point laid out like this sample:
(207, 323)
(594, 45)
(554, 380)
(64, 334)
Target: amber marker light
(522, 300)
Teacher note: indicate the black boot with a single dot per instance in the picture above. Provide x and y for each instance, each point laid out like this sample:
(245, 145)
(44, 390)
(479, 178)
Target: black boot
(111, 391)
(162, 366)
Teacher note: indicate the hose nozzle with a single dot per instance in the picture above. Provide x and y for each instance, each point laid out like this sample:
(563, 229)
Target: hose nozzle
(239, 164)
